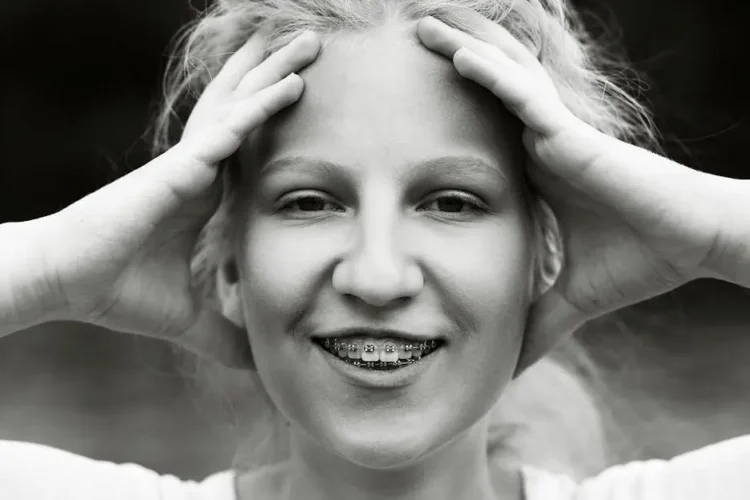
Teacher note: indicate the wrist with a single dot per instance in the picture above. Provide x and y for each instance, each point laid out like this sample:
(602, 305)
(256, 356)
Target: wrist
(27, 295)
(729, 256)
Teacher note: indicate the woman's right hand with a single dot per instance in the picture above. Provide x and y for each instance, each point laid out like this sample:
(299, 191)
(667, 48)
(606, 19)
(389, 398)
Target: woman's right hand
(120, 257)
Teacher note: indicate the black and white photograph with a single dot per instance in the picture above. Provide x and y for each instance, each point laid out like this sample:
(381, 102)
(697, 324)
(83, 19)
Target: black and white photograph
(226, 272)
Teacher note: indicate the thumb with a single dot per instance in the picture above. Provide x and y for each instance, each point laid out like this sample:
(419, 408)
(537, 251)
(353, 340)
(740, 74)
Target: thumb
(551, 319)
(214, 337)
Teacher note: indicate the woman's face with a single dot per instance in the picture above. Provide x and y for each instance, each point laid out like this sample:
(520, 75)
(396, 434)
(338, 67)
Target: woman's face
(386, 203)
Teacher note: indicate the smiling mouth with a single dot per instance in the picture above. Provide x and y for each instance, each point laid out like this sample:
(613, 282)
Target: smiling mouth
(371, 354)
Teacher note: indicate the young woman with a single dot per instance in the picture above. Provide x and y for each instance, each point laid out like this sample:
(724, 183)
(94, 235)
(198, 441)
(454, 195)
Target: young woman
(447, 199)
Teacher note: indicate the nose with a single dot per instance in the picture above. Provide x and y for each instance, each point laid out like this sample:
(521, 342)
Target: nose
(376, 269)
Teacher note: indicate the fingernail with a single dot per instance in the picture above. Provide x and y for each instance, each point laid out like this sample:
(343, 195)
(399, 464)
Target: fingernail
(467, 52)
(305, 36)
(435, 21)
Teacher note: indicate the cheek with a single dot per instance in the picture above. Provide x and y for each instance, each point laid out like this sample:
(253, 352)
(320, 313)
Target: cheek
(279, 271)
(492, 279)
(488, 270)
(277, 286)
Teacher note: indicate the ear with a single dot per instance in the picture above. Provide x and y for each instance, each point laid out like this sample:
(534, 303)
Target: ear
(228, 291)
(550, 254)
(549, 261)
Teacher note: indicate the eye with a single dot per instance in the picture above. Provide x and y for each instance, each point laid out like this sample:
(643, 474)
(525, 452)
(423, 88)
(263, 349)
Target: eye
(308, 204)
(456, 203)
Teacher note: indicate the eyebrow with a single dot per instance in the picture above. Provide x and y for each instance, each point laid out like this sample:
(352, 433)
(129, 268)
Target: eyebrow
(458, 167)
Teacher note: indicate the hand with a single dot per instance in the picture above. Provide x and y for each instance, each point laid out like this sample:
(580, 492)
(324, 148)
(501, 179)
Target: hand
(120, 257)
(633, 224)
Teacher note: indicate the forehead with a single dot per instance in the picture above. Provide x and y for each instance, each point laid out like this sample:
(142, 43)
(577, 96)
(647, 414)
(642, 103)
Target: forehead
(380, 98)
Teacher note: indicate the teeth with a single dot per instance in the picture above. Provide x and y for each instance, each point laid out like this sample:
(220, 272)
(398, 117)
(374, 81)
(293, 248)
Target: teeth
(389, 354)
(404, 351)
(378, 354)
(343, 350)
(370, 352)
(355, 350)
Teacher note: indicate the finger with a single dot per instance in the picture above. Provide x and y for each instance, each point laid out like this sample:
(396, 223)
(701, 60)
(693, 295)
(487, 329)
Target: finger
(262, 105)
(551, 319)
(496, 35)
(193, 175)
(220, 141)
(216, 338)
(536, 104)
(236, 67)
(446, 40)
(296, 55)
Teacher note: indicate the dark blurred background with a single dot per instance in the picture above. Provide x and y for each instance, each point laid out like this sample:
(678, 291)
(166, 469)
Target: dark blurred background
(79, 83)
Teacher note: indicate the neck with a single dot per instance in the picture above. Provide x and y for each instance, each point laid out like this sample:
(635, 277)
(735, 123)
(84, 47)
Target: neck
(459, 469)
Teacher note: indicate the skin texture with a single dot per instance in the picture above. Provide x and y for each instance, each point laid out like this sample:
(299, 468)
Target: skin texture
(378, 249)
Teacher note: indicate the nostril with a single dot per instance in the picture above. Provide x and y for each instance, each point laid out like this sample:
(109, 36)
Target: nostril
(230, 271)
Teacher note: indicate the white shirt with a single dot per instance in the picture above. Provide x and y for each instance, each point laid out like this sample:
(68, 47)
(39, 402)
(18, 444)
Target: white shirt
(35, 472)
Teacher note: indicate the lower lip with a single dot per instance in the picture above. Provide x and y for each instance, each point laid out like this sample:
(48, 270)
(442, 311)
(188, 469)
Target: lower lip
(382, 379)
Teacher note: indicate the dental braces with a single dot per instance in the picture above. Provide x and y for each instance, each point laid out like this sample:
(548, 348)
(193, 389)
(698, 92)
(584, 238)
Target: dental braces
(423, 346)
(380, 365)
(348, 353)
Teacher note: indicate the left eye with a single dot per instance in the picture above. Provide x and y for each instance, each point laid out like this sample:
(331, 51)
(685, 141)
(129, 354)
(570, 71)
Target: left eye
(455, 203)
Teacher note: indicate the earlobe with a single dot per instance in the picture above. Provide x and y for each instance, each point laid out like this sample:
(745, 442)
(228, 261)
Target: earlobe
(228, 291)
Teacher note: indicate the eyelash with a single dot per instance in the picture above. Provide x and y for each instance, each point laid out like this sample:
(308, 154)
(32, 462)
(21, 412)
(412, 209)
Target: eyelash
(475, 206)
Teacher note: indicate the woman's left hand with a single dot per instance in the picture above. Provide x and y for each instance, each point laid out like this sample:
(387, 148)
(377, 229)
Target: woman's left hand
(633, 224)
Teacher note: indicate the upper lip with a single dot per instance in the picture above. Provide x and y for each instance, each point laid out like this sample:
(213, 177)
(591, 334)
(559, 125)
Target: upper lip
(367, 331)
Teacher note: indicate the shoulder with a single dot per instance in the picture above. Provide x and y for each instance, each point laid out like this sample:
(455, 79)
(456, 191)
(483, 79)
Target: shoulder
(32, 471)
(716, 471)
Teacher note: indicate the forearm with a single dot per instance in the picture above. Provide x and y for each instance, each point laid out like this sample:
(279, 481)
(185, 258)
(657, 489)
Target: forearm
(25, 298)
(729, 258)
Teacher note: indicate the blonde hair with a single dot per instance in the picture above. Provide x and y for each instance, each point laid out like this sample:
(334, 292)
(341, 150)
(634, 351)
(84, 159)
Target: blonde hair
(592, 85)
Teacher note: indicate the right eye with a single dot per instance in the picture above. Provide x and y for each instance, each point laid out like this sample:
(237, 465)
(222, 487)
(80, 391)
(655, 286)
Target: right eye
(308, 204)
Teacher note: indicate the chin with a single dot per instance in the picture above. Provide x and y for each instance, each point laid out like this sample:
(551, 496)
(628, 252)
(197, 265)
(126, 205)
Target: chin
(382, 455)
(385, 444)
